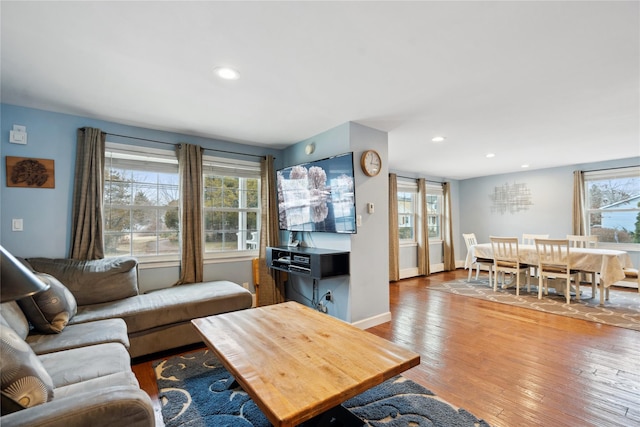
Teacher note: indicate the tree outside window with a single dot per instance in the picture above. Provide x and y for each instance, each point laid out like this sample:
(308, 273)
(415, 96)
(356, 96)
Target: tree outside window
(613, 205)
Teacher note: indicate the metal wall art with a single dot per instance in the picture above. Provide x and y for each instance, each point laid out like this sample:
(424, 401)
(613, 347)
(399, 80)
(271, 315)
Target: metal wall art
(511, 198)
(30, 173)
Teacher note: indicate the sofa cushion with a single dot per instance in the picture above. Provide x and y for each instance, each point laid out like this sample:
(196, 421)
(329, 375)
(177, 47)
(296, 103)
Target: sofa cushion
(25, 382)
(81, 335)
(93, 281)
(49, 311)
(85, 363)
(170, 306)
(15, 318)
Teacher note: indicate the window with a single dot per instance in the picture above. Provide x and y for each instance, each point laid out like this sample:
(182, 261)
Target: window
(407, 197)
(141, 196)
(142, 204)
(231, 205)
(434, 211)
(613, 205)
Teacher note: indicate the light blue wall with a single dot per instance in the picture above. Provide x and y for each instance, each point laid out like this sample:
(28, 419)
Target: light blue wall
(47, 212)
(550, 213)
(364, 294)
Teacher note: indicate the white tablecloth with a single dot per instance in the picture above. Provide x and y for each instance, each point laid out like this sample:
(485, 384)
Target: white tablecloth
(608, 262)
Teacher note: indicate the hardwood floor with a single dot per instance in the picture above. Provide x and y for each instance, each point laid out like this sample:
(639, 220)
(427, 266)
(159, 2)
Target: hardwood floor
(508, 365)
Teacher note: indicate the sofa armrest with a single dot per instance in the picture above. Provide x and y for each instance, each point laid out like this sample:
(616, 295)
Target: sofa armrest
(107, 407)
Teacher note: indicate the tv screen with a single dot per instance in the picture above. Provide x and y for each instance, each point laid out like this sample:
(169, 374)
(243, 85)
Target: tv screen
(318, 196)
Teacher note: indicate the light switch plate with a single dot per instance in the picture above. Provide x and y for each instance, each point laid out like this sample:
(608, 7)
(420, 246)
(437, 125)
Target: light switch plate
(16, 224)
(17, 137)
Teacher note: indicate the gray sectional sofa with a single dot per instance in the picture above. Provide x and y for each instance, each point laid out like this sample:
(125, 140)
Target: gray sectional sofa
(70, 347)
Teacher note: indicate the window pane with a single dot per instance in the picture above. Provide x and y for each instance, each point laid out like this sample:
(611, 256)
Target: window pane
(613, 207)
(406, 215)
(232, 213)
(141, 199)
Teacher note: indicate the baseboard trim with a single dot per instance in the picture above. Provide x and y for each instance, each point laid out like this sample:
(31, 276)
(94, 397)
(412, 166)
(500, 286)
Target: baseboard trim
(373, 321)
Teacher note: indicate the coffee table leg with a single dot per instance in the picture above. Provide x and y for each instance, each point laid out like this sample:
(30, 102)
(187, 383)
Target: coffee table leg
(338, 416)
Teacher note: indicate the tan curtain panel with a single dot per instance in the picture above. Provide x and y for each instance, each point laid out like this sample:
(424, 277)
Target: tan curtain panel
(271, 289)
(394, 236)
(191, 187)
(424, 267)
(87, 240)
(579, 220)
(449, 253)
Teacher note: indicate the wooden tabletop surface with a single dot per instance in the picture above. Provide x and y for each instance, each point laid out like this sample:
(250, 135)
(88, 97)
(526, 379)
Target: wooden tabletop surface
(296, 362)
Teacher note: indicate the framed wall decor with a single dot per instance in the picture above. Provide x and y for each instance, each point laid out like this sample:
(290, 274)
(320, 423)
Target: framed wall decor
(30, 173)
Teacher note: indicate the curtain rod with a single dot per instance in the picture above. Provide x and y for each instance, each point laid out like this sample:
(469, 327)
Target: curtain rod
(609, 169)
(171, 143)
(428, 180)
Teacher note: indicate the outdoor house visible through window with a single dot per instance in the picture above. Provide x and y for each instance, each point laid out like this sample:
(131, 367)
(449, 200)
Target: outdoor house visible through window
(613, 206)
(434, 211)
(141, 202)
(407, 203)
(231, 205)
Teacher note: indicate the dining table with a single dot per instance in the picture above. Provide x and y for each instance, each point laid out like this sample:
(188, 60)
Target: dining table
(608, 263)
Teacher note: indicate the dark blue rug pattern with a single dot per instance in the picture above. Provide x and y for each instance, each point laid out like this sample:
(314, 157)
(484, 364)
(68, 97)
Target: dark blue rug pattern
(193, 391)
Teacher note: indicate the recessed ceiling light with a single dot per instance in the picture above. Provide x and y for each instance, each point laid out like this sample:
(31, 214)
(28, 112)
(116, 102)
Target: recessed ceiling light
(226, 73)
(490, 155)
(438, 138)
(524, 166)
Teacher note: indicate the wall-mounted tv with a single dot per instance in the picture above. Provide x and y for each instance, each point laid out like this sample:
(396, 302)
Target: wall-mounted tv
(318, 196)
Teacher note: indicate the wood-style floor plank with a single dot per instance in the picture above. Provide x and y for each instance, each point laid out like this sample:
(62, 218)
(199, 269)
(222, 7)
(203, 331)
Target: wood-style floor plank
(508, 365)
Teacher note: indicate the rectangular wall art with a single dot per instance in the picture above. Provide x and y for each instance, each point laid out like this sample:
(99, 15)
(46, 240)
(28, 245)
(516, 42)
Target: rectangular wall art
(30, 173)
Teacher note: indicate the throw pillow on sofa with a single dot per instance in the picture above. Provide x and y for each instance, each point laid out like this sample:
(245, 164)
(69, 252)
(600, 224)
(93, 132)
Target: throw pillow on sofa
(25, 382)
(49, 311)
(93, 281)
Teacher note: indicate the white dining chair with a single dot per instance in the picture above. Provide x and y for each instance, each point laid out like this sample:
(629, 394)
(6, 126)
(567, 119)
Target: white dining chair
(530, 239)
(506, 260)
(554, 261)
(576, 241)
(470, 240)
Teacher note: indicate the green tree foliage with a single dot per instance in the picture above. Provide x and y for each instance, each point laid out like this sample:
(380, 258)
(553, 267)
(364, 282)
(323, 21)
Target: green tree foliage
(172, 216)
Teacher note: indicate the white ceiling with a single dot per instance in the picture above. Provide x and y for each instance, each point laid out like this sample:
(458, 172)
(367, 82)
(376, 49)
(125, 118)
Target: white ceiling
(542, 83)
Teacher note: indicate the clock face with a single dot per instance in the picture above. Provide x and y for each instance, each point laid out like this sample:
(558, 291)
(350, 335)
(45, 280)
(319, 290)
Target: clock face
(371, 162)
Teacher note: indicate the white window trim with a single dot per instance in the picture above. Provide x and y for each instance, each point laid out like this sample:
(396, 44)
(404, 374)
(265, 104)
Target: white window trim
(124, 151)
(231, 167)
(614, 173)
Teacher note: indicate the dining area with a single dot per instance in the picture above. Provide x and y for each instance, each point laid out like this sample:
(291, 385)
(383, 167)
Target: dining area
(533, 259)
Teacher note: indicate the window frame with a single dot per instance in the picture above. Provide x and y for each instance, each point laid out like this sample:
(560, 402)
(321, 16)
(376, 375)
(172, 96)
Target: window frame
(232, 168)
(436, 190)
(412, 188)
(131, 153)
(604, 175)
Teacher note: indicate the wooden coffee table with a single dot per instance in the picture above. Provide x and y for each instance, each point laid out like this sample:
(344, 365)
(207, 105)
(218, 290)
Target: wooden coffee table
(298, 364)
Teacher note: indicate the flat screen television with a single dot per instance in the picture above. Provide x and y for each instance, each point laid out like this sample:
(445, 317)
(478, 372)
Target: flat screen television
(318, 196)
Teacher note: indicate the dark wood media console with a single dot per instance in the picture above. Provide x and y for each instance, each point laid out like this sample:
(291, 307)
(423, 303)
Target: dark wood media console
(309, 262)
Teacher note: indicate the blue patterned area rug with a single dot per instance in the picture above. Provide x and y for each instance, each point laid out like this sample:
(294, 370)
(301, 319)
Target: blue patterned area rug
(193, 393)
(622, 309)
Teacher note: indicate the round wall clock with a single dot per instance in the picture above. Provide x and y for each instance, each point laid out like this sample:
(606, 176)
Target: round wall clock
(371, 162)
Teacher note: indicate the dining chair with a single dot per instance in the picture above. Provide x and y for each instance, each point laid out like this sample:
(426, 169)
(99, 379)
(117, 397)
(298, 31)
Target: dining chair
(530, 239)
(506, 260)
(631, 275)
(576, 241)
(553, 261)
(470, 240)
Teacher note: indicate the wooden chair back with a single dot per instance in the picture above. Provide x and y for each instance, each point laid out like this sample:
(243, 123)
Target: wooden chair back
(576, 241)
(505, 251)
(469, 239)
(530, 239)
